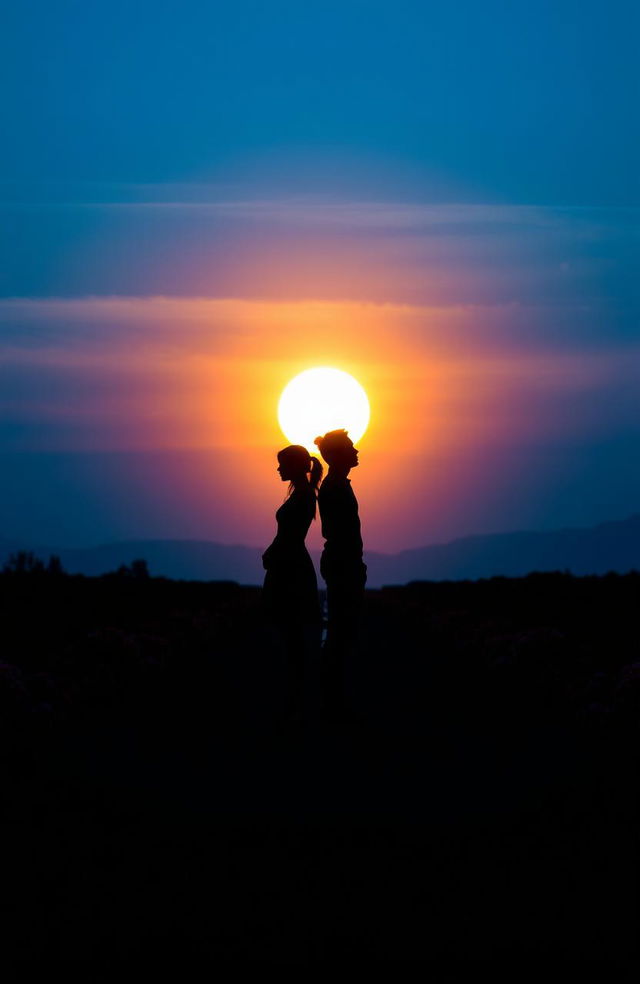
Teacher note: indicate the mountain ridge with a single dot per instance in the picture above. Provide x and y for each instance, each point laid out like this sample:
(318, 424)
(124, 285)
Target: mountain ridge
(612, 545)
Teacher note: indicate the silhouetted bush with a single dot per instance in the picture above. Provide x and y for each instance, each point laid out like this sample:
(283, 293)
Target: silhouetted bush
(23, 562)
(137, 569)
(54, 567)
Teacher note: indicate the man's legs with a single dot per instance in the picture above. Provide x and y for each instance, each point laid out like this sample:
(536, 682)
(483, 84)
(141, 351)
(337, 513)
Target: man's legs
(344, 602)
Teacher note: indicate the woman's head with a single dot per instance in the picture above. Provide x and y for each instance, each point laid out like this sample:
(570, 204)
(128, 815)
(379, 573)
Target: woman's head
(295, 464)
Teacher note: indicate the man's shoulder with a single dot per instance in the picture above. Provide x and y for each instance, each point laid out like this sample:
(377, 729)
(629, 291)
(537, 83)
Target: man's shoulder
(338, 494)
(334, 490)
(335, 482)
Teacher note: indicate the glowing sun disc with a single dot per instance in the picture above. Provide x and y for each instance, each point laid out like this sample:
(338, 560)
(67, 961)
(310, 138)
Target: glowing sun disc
(320, 400)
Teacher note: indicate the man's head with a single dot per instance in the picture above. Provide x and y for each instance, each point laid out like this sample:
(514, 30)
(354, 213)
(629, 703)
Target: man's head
(336, 447)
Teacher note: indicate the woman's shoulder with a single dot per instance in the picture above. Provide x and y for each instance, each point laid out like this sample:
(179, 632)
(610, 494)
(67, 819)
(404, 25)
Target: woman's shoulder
(303, 495)
(302, 499)
(298, 499)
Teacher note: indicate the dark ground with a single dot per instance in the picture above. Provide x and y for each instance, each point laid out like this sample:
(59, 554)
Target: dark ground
(476, 820)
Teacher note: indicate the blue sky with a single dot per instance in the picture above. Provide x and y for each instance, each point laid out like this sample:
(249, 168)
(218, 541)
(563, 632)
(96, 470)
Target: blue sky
(475, 162)
(496, 100)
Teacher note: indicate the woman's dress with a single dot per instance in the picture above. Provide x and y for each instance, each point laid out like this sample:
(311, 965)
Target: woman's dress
(290, 592)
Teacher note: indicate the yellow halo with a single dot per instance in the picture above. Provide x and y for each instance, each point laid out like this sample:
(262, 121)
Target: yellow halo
(319, 400)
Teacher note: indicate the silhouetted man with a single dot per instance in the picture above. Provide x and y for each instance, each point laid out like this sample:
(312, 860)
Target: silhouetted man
(341, 563)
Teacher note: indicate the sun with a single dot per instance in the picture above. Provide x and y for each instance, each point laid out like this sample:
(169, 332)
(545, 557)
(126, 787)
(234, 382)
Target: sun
(319, 400)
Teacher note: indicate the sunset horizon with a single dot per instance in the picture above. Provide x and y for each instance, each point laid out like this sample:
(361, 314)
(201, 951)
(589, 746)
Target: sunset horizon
(443, 206)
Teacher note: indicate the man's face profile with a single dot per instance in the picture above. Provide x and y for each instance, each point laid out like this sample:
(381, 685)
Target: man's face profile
(346, 455)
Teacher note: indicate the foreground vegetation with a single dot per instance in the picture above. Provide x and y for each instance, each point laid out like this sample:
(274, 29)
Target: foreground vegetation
(474, 817)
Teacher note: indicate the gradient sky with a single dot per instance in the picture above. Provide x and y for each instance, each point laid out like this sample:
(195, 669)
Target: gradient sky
(200, 199)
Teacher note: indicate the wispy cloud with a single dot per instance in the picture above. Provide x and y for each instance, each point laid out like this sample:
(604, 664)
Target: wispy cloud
(308, 248)
(476, 418)
(188, 372)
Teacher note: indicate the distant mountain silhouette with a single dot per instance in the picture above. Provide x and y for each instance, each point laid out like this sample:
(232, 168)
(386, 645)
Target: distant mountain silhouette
(613, 546)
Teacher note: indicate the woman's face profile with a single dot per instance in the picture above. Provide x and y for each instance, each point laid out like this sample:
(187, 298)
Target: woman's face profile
(292, 465)
(287, 469)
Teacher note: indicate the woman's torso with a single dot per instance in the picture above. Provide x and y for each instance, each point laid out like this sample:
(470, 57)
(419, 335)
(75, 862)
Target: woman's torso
(294, 519)
(290, 582)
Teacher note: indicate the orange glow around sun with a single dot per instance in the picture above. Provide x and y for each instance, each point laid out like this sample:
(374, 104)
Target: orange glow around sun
(205, 376)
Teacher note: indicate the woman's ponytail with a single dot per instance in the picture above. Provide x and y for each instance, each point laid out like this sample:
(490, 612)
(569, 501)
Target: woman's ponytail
(316, 473)
(315, 476)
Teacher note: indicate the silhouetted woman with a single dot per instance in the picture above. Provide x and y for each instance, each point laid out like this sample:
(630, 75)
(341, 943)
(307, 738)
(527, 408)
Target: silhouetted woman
(290, 592)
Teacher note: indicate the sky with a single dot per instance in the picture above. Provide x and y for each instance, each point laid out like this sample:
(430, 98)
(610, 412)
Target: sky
(200, 199)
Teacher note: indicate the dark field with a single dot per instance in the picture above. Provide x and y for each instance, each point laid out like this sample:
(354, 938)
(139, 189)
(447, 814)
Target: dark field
(474, 819)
